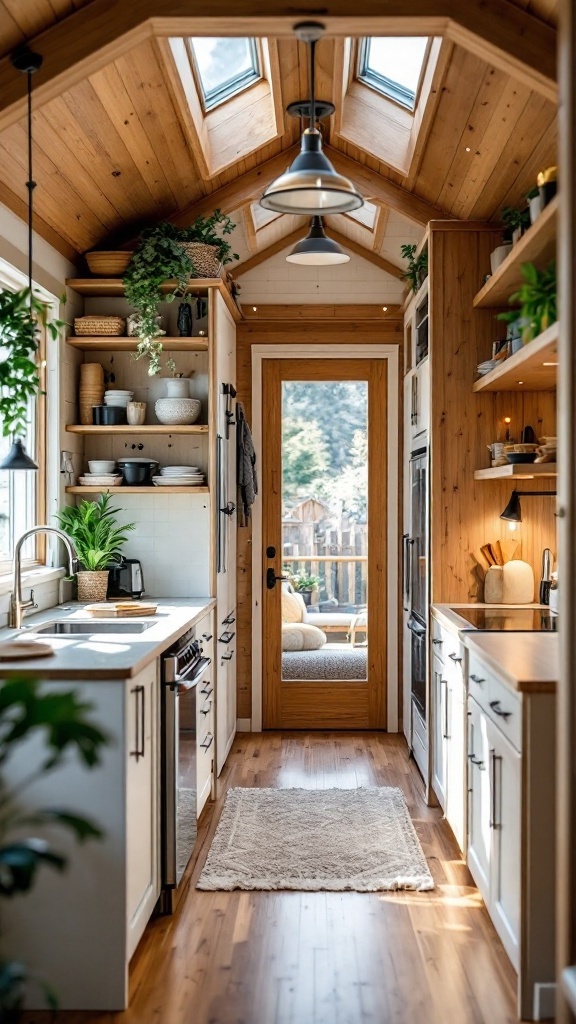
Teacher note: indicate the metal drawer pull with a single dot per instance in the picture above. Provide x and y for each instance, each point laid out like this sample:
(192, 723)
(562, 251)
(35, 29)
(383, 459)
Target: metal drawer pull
(476, 761)
(207, 693)
(206, 711)
(437, 642)
(140, 722)
(454, 657)
(226, 637)
(206, 746)
(445, 734)
(495, 705)
(493, 823)
(228, 657)
(206, 636)
(228, 620)
(477, 679)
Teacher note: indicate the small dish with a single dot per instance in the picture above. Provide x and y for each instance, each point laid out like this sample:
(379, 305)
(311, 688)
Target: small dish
(101, 466)
(517, 458)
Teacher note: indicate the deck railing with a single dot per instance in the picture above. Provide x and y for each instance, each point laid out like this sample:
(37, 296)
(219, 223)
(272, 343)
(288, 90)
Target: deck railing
(343, 577)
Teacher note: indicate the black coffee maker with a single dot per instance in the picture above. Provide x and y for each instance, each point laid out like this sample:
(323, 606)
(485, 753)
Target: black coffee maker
(126, 579)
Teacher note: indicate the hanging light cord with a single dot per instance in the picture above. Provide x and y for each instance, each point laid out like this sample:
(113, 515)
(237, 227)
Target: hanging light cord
(312, 85)
(30, 184)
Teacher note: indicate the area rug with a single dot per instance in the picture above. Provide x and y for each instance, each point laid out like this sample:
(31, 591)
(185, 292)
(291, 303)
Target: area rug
(361, 840)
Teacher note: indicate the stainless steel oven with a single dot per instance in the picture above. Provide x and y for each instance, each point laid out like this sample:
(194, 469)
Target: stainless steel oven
(183, 670)
(416, 576)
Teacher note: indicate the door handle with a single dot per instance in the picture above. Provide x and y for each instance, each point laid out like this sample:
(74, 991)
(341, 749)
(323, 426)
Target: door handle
(271, 578)
(454, 657)
(229, 509)
(494, 823)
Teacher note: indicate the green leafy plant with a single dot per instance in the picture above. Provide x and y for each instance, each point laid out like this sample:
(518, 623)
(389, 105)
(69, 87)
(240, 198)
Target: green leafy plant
(97, 537)
(537, 300)
(304, 583)
(21, 319)
(159, 257)
(417, 266)
(514, 219)
(62, 721)
(535, 191)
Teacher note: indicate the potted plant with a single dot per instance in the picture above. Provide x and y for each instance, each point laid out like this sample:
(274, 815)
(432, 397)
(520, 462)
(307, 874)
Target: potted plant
(535, 204)
(417, 271)
(305, 585)
(60, 718)
(513, 221)
(537, 299)
(98, 540)
(21, 317)
(547, 184)
(164, 253)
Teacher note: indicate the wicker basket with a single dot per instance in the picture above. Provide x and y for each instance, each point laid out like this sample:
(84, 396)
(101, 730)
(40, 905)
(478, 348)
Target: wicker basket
(108, 264)
(204, 257)
(92, 586)
(99, 326)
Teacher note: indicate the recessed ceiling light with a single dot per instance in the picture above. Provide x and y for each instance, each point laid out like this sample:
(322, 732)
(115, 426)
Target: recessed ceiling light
(549, 364)
(520, 381)
(385, 308)
(254, 309)
(467, 149)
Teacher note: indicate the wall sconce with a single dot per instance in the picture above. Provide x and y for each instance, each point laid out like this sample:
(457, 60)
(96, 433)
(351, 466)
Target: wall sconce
(513, 511)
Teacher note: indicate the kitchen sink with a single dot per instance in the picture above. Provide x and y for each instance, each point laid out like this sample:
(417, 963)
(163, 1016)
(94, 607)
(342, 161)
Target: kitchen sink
(70, 627)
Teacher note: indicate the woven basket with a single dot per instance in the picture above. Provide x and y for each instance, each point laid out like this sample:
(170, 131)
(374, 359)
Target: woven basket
(108, 264)
(99, 326)
(204, 257)
(92, 586)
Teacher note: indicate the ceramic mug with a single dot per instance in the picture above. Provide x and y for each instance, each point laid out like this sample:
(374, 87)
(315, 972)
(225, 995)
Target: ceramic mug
(136, 413)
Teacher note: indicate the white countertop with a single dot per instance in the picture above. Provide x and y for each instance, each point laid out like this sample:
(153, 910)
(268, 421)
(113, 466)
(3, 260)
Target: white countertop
(91, 656)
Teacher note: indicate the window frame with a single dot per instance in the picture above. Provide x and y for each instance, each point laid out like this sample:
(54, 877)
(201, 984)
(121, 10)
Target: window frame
(216, 97)
(387, 87)
(12, 280)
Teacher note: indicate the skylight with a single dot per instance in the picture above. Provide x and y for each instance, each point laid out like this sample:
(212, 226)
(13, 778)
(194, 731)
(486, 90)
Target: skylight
(262, 217)
(224, 66)
(366, 215)
(393, 65)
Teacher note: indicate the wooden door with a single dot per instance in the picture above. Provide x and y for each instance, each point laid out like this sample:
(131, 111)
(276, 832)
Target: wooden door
(326, 701)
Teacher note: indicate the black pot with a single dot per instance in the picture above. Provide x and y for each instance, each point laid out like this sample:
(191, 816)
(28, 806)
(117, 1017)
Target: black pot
(108, 415)
(137, 474)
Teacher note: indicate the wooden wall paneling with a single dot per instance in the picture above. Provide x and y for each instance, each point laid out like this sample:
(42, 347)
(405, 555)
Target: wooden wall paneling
(384, 190)
(307, 315)
(19, 206)
(515, 181)
(181, 83)
(441, 51)
(466, 512)
(22, 19)
(366, 253)
(377, 125)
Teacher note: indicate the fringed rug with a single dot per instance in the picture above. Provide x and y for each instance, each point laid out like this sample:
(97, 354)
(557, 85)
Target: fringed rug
(361, 840)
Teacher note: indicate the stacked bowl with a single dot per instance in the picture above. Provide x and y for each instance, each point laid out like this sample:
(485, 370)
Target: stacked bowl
(118, 398)
(102, 473)
(91, 389)
(113, 412)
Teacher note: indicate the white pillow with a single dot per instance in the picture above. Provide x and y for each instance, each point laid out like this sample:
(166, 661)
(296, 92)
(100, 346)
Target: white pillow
(299, 636)
(293, 607)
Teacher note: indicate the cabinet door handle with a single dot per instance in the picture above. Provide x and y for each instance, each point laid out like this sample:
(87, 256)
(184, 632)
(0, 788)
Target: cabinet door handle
(206, 711)
(477, 679)
(207, 693)
(495, 705)
(206, 636)
(140, 720)
(228, 620)
(228, 657)
(445, 736)
(208, 744)
(226, 637)
(476, 760)
(455, 658)
(493, 823)
(437, 642)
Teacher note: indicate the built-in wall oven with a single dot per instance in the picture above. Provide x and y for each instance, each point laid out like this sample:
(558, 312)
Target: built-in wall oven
(416, 575)
(184, 669)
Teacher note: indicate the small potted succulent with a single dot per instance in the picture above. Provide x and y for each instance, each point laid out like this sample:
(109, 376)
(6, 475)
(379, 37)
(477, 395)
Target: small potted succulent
(165, 253)
(417, 271)
(98, 540)
(535, 204)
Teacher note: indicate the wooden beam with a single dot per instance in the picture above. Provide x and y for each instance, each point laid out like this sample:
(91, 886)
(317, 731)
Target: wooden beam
(384, 190)
(367, 254)
(322, 311)
(496, 30)
(381, 225)
(271, 250)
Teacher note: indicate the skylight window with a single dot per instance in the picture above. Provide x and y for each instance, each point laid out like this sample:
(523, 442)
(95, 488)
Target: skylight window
(366, 215)
(393, 65)
(262, 217)
(224, 66)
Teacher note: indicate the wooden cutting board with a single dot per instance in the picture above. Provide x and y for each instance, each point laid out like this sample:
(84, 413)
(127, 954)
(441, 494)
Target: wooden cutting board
(14, 650)
(120, 609)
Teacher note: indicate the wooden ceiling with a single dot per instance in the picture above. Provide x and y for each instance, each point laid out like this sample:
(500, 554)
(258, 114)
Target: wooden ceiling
(112, 151)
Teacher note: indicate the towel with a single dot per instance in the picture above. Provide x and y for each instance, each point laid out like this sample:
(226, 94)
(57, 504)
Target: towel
(247, 479)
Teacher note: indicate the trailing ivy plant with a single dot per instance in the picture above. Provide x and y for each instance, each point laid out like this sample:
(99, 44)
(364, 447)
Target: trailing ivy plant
(20, 322)
(62, 721)
(417, 266)
(537, 299)
(159, 257)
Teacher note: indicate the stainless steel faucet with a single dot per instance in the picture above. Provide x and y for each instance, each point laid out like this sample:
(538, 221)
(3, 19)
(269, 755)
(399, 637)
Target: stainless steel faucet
(17, 605)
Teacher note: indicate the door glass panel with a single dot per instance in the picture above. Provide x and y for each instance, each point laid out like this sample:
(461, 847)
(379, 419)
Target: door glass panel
(325, 530)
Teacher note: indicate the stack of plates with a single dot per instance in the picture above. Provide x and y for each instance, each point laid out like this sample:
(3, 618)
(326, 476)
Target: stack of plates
(118, 398)
(100, 480)
(179, 476)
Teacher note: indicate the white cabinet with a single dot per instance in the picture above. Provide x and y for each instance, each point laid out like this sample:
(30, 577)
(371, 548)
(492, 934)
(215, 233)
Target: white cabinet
(225, 653)
(206, 717)
(448, 714)
(479, 832)
(439, 730)
(419, 400)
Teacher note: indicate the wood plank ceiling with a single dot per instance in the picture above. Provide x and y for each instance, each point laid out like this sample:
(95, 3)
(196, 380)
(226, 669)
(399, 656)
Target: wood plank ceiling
(112, 153)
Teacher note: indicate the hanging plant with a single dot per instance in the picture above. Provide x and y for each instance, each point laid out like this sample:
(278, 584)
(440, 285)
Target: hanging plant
(20, 321)
(159, 257)
(417, 266)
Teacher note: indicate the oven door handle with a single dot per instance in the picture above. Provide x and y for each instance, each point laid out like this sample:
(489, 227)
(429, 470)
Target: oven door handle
(170, 760)
(191, 676)
(417, 629)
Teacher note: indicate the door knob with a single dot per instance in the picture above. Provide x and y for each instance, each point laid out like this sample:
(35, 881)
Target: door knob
(271, 578)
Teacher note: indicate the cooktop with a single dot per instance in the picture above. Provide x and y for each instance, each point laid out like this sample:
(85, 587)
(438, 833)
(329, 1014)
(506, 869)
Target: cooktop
(517, 620)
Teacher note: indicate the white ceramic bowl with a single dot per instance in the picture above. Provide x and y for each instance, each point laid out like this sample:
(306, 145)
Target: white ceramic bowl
(101, 466)
(178, 411)
(179, 470)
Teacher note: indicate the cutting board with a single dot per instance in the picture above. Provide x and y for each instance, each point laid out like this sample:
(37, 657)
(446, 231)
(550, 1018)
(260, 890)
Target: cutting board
(494, 585)
(120, 609)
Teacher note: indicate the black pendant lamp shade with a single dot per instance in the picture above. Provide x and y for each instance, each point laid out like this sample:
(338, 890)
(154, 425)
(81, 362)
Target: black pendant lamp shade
(317, 250)
(311, 185)
(27, 63)
(512, 513)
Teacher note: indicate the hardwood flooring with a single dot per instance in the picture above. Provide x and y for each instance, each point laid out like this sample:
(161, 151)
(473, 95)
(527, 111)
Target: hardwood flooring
(323, 958)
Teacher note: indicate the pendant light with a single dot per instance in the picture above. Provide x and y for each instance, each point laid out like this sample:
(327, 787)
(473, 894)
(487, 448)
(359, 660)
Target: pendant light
(311, 185)
(513, 512)
(317, 250)
(27, 63)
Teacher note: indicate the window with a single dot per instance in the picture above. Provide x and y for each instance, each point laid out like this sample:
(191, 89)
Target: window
(366, 215)
(22, 500)
(393, 65)
(224, 66)
(262, 217)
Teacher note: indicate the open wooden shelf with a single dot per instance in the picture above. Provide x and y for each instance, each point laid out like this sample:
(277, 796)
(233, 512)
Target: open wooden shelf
(526, 370)
(537, 245)
(127, 428)
(114, 286)
(108, 343)
(137, 490)
(527, 471)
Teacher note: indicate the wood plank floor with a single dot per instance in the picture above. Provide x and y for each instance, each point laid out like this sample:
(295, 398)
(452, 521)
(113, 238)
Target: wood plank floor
(323, 958)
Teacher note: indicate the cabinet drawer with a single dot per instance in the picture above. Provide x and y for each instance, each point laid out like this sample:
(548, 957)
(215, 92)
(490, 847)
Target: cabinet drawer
(498, 701)
(446, 643)
(204, 770)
